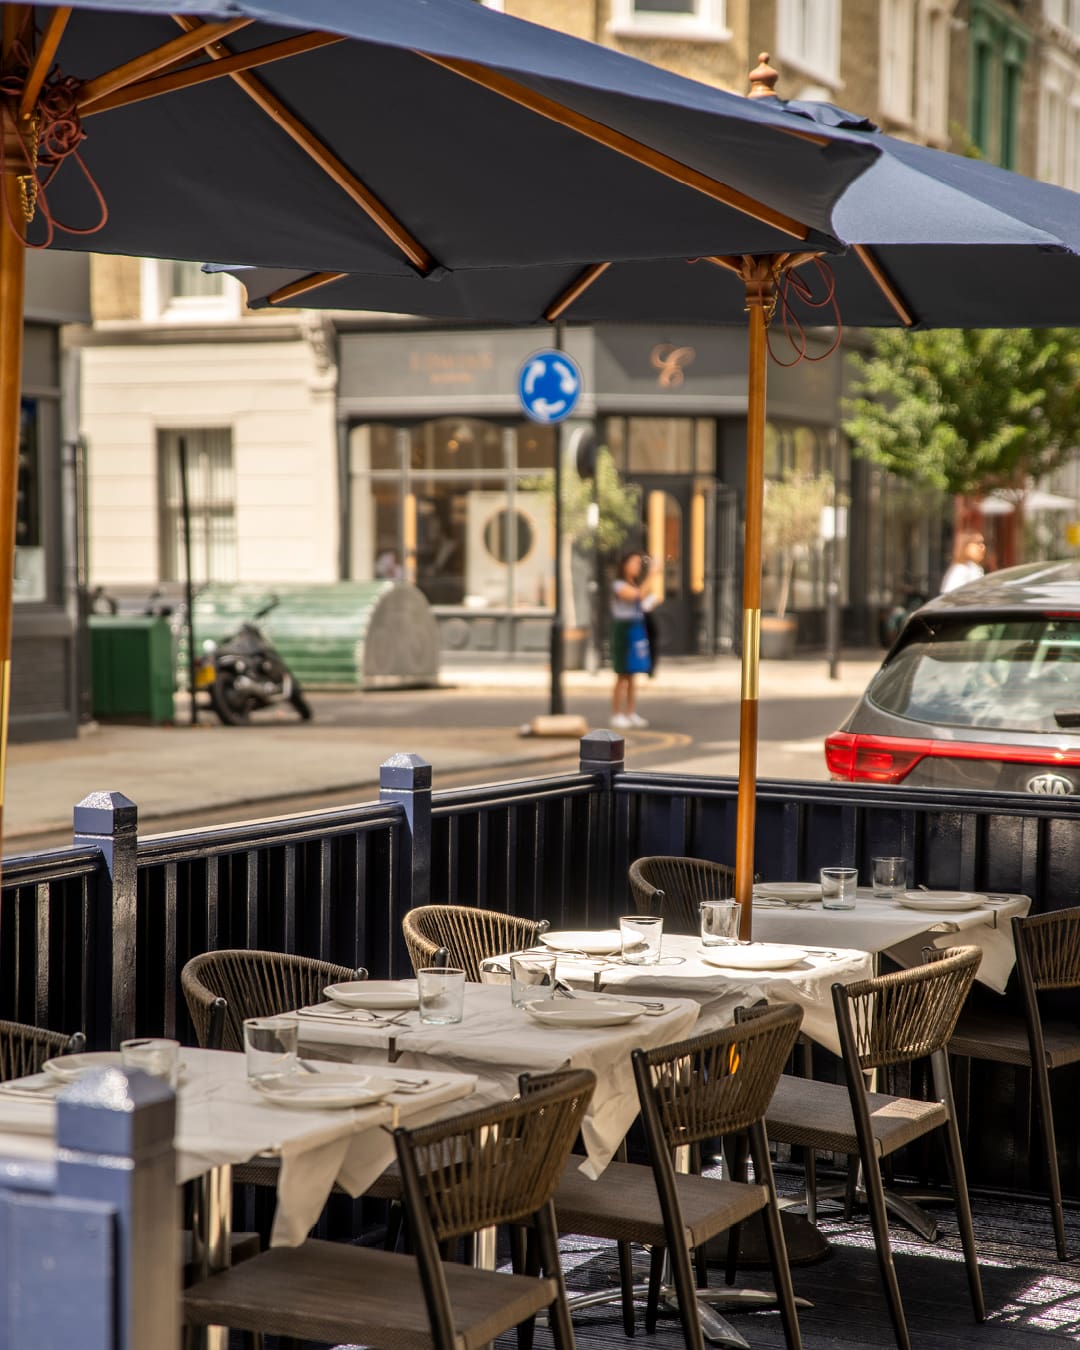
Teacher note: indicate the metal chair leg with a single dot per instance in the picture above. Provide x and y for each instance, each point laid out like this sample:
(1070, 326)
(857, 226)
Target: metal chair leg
(547, 1245)
(1041, 1080)
(656, 1280)
(774, 1237)
(686, 1292)
(943, 1086)
(879, 1221)
(626, 1286)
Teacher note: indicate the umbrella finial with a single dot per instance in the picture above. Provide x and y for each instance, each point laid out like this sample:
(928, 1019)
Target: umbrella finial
(763, 78)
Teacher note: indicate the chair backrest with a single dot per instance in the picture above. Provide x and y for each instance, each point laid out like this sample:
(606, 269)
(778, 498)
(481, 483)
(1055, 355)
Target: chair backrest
(499, 1164)
(469, 934)
(1048, 949)
(251, 984)
(24, 1049)
(674, 887)
(719, 1083)
(896, 1018)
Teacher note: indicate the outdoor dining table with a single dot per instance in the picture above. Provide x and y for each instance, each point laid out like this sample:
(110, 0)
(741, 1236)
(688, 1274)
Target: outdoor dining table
(496, 1042)
(684, 972)
(879, 926)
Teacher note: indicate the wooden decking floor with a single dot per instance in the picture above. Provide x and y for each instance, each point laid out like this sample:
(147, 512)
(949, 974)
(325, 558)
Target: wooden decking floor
(1033, 1301)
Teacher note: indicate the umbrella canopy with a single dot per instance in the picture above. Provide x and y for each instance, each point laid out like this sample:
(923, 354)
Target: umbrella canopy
(935, 240)
(399, 137)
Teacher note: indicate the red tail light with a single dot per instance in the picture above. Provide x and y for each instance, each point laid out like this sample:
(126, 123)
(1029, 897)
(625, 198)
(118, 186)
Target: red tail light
(872, 759)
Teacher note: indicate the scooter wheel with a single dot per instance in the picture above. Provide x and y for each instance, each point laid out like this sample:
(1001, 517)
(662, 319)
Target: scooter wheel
(233, 707)
(300, 703)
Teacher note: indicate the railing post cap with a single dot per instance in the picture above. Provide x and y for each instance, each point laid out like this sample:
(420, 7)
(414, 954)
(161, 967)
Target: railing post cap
(105, 813)
(603, 746)
(405, 771)
(116, 1112)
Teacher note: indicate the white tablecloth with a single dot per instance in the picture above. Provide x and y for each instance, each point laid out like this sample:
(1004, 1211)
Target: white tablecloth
(498, 1042)
(222, 1120)
(876, 925)
(682, 973)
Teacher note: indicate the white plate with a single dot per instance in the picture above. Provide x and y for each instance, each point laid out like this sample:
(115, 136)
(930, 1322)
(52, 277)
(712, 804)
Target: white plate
(319, 1091)
(375, 994)
(584, 1012)
(793, 892)
(604, 943)
(754, 956)
(941, 901)
(67, 1068)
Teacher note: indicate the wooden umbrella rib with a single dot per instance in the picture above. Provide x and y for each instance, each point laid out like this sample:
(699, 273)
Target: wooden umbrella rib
(624, 145)
(302, 286)
(50, 40)
(170, 83)
(575, 290)
(324, 158)
(884, 284)
(199, 36)
(728, 264)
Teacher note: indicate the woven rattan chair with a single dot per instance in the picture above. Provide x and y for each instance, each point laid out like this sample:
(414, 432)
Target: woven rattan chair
(716, 1084)
(499, 1165)
(675, 887)
(24, 1049)
(223, 988)
(889, 1020)
(1047, 958)
(469, 934)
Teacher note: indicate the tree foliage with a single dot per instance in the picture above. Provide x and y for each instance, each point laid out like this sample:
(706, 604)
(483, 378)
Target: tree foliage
(791, 522)
(618, 502)
(965, 410)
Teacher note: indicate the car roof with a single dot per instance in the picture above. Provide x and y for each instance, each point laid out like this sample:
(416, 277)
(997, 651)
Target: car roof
(1032, 586)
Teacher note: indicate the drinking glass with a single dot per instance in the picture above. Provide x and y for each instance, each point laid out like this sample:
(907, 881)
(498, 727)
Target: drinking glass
(641, 936)
(442, 994)
(838, 885)
(719, 922)
(270, 1047)
(890, 876)
(532, 977)
(159, 1058)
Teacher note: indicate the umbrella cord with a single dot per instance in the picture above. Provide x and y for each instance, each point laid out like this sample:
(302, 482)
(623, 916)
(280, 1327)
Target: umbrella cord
(56, 132)
(794, 286)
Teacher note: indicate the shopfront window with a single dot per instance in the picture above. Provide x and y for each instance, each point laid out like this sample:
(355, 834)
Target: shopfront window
(808, 451)
(30, 581)
(451, 505)
(211, 495)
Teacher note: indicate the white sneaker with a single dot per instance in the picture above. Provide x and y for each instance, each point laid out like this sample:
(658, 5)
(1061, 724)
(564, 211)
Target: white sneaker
(636, 720)
(621, 721)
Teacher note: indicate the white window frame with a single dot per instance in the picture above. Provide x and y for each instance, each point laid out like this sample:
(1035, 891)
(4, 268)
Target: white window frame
(708, 22)
(160, 305)
(808, 38)
(932, 67)
(1063, 15)
(897, 60)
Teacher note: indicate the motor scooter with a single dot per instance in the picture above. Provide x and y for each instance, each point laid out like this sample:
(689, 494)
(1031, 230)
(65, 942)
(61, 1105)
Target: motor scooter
(244, 673)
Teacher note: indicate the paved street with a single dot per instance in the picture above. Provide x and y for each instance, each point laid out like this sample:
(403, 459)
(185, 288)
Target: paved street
(469, 730)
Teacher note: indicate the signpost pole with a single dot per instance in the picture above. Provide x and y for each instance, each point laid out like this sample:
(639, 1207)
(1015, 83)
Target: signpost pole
(557, 701)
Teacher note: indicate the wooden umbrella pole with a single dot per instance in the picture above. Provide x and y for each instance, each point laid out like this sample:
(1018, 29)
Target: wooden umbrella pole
(12, 282)
(759, 276)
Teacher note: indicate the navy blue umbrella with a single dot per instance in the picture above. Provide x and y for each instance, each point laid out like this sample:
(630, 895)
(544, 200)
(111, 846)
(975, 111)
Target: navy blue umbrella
(397, 137)
(933, 240)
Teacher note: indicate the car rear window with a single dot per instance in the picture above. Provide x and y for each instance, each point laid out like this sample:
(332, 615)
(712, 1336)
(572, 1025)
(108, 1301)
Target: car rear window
(1018, 673)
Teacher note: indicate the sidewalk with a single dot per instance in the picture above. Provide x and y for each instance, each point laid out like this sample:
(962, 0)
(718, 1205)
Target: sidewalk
(253, 771)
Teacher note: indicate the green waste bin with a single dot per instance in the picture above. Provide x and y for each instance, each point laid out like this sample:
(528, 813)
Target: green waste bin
(131, 667)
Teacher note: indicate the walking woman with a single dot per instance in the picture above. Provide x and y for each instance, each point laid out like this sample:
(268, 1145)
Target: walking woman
(631, 597)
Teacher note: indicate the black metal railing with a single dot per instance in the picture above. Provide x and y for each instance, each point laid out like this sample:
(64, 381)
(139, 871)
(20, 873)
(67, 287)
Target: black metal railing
(95, 936)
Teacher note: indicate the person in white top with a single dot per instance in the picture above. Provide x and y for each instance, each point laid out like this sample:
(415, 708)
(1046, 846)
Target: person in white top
(969, 553)
(631, 596)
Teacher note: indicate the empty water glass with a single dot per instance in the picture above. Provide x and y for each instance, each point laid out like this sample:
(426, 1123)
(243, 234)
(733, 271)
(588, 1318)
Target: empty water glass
(838, 886)
(270, 1045)
(159, 1058)
(890, 876)
(532, 977)
(719, 922)
(641, 936)
(442, 994)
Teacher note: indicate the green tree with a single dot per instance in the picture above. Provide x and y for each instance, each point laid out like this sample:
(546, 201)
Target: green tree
(967, 411)
(791, 523)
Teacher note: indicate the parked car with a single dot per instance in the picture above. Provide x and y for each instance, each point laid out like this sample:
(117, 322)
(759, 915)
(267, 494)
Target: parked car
(980, 690)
